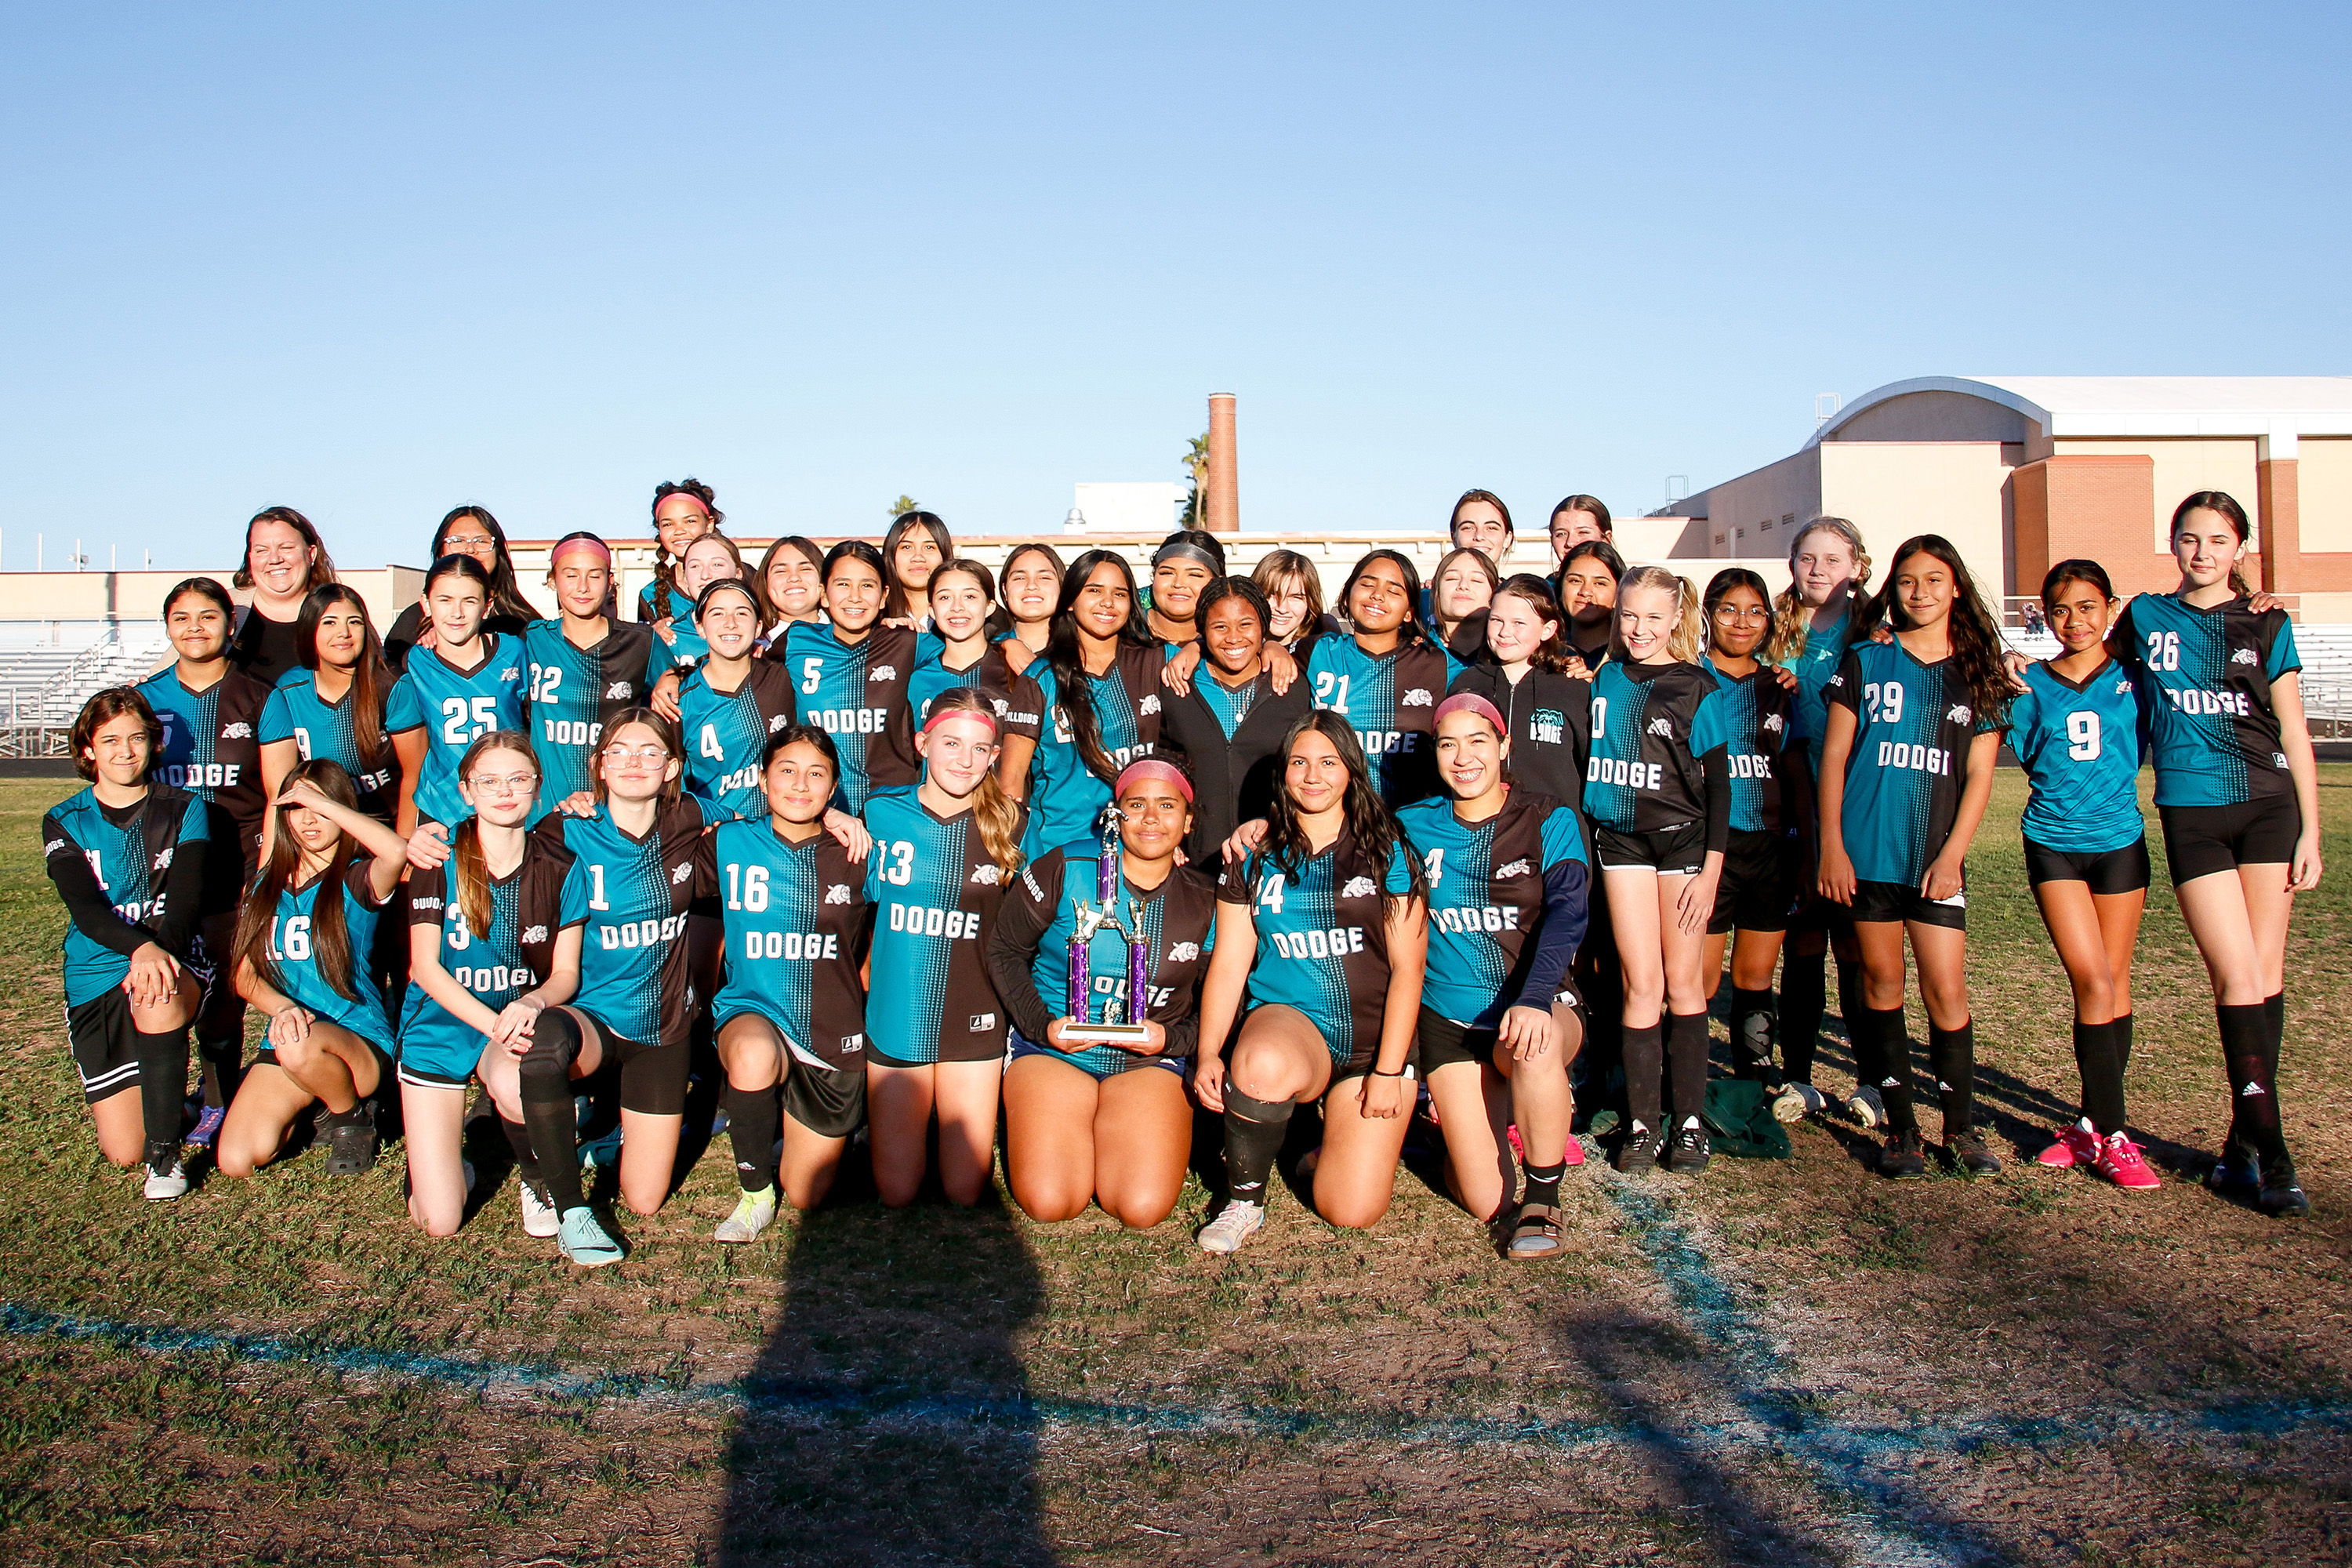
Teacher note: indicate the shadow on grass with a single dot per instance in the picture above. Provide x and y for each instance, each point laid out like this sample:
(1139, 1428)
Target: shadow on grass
(891, 1417)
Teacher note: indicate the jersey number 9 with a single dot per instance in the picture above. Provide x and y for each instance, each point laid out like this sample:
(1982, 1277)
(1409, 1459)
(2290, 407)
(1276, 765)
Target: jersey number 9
(2083, 733)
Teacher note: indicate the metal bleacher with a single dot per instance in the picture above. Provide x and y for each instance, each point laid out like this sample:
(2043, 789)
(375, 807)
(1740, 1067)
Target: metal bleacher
(49, 668)
(2325, 651)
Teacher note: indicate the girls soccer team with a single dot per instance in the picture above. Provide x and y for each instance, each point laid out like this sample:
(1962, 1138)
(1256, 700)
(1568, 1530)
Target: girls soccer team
(873, 854)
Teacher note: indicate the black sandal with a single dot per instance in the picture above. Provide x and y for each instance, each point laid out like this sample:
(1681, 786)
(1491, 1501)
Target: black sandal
(351, 1144)
(1537, 1234)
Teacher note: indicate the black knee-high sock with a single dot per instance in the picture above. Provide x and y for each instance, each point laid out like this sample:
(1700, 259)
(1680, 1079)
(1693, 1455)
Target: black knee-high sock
(518, 1139)
(1805, 997)
(2123, 1028)
(1686, 1045)
(753, 1118)
(2254, 1088)
(1543, 1185)
(1253, 1132)
(1852, 1000)
(546, 1085)
(1753, 1028)
(1952, 1054)
(1893, 1040)
(223, 1063)
(2103, 1076)
(162, 1091)
(2275, 1028)
(1644, 1063)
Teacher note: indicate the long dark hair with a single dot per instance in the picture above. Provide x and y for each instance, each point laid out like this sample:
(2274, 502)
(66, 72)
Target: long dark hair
(322, 570)
(1976, 651)
(894, 604)
(203, 588)
(371, 676)
(1000, 623)
(469, 879)
(506, 595)
(1369, 821)
(1413, 628)
(664, 563)
(2227, 505)
(1553, 653)
(331, 938)
(1076, 692)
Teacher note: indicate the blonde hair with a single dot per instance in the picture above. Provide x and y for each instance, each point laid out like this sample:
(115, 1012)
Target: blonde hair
(1687, 641)
(1790, 620)
(995, 813)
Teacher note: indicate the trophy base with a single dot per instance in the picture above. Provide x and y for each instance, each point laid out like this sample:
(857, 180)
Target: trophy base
(1128, 1036)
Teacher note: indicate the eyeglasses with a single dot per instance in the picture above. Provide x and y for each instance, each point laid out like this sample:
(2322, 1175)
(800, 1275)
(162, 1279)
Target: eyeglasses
(1732, 615)
(514, 783)
(638, 753)
(470, 542)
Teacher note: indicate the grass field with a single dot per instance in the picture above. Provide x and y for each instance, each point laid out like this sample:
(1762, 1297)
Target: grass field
(1784, 1361)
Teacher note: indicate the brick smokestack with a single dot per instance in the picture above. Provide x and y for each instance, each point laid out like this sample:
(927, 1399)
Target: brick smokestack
(1224, 502)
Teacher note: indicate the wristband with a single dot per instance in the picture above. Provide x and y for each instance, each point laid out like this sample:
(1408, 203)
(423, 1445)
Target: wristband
(1404, 1071)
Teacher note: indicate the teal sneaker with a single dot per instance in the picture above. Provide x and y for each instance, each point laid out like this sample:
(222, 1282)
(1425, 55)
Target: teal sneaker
(583, 1241)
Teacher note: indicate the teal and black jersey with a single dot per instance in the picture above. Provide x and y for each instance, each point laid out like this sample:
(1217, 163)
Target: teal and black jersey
(1508, 900)
(1323, 940)
(935, 891)
(726, 735)
(212, 749)
(294, 955)
(575, 692)
(1029, 954)
(677, 606)
(2205, 678)
(322, 730)
(1390, 699)
(1759, 727)
(529, 908)
(455, 708)
(1018, 705)
(633, 956)
(856, 692)
(795, 925)
(1813, 665)
(1653, 728)
(1913, 730)
(113, 867)
(1066, 796)
(2081, 747)
(680, 651)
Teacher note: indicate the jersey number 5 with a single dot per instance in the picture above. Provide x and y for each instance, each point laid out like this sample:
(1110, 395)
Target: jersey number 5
(812, 673)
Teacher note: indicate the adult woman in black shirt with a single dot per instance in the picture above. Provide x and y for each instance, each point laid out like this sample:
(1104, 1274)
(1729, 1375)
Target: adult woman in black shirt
(284, 560)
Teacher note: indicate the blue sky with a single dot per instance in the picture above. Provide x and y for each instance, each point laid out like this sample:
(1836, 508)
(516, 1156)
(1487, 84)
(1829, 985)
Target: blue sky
(373, 263)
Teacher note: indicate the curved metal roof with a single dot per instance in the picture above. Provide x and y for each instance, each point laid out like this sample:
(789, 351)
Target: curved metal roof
(2130, 405)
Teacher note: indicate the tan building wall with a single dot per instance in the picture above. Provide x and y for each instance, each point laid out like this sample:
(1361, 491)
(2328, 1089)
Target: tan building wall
(136, 597)
(2325, 473)
(2181, 468)
(1893, 489)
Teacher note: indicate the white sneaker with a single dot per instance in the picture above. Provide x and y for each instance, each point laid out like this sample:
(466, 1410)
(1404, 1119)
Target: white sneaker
(1796, 1101)
(754, 1214)
(1865, 1107)
(1236, 1225)
(539, 1215)
(169, 1184)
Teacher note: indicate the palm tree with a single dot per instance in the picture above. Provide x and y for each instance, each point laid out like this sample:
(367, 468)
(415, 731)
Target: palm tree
(1196, 460)
(903, 505)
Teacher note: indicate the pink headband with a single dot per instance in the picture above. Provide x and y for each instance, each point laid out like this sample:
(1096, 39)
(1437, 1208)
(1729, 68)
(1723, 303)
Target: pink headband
(580, 542)
(1153, 768)
(942, 715)
(1470, 702)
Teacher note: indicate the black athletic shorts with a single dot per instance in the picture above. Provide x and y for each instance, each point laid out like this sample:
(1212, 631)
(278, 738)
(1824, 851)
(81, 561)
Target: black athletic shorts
(1758, 885)
(2123, 870)
(828, 1101)
(2200, 840)
(1888, 901)
(1681, 848)
(105, 1046)
(652, 1078)
(1438, 1041)
(220, 1012)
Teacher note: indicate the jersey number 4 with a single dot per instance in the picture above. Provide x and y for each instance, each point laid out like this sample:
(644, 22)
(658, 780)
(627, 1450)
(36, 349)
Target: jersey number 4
(1269, 894)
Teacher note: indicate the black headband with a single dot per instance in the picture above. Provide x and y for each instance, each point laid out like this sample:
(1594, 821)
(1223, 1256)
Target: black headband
(1185, 550)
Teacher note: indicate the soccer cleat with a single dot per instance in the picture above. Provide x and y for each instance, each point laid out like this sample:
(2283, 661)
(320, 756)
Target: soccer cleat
(207, 1127)
(2281, 1195)
(2077, 1145)
(539, 1215)
(1691, 1150)
(1237, 1223)
(1866, 1106)
(583, 1241)
(1798, 1101)
(2120, 1160)
(753, 1213)
(1639, 1153)
(350, 1143)
(165, 1181)
(1971, 1154)
(2238, 1167)
(1905, 1157)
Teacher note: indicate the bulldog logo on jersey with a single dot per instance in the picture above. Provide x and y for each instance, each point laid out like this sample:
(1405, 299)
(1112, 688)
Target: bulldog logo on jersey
(2244, 655)
(1961, 713)
(1663, 727)
(163, 861)
(680, 874)
(778, 722)
(1516, 869)
(883, 672)
(986, 875)
(1184, 953)
(837, 894)
(237, 732)
(1148, 705)
(2123, 687)
(510, 673)
(534, 933)
(1418, 697)
(1772, 723)
(619, 691)
(1358, 888)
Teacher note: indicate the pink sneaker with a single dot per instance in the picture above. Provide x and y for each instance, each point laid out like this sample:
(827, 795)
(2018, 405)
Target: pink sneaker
(1575, 1150)
(2077, 1145)
(2120, 1161)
